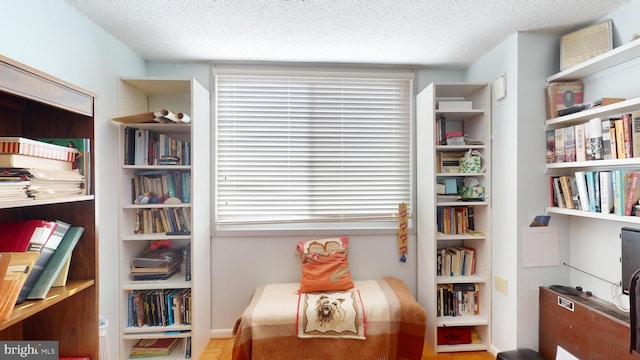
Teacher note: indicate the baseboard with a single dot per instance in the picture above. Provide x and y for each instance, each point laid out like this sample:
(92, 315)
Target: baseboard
(221, 333)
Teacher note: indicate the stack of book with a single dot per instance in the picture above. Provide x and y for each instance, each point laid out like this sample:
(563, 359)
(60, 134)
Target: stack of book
(53, 243)
(153, 347)
(156, 264)
(44, 168)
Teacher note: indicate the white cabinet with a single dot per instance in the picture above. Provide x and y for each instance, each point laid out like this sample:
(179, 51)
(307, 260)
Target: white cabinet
(139, 95)
(472, 118)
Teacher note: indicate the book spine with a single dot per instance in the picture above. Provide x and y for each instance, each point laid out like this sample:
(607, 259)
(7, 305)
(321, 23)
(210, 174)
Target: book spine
(566, 192)
(626, 127)
(612, 138)
(606, 192)
(559, 134)
(583, 194)
(551, 147)
(606, 139)
(595, 139)
(632, 193)
(635, 133)
(581, 153)
(591, 189)
(569, 144)
(619, 138)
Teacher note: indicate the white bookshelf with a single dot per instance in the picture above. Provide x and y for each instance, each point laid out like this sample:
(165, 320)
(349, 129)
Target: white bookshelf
(138, 95)
(476, 123)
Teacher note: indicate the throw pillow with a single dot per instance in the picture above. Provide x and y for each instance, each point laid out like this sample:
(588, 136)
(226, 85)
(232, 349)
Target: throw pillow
(325, 266)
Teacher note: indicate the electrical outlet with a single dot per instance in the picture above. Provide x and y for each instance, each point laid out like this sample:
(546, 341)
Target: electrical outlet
(500, 284)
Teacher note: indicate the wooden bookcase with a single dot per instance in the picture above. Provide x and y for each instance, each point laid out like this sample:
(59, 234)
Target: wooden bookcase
(34, 104)
(139, 95)
(476, 124)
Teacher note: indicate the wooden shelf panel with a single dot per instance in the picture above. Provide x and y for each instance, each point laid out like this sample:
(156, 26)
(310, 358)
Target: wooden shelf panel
(55, 295)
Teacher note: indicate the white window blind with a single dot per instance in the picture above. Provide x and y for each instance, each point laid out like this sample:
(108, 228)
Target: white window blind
(294, 149)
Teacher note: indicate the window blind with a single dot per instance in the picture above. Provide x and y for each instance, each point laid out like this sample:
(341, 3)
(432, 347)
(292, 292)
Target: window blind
(296, 149)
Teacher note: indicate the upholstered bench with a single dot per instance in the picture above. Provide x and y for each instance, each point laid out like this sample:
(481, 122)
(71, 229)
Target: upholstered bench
(519, 354)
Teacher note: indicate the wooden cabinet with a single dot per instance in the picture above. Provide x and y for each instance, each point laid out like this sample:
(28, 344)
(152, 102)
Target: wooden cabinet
(139, 95)
(34, 105)
(588, 328)
(438, 231)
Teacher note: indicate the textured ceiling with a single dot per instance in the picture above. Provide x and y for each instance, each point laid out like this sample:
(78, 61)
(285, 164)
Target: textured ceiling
(435, 33)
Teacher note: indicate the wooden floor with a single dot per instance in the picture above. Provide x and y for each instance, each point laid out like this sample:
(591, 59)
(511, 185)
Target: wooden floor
(220, 349)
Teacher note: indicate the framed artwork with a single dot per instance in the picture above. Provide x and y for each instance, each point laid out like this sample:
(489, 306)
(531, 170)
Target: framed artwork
(584, 44)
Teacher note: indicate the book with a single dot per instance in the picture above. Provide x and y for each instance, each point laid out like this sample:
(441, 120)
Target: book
(626, 135)
(569, 144)
(156, 260)
(561, 95)
(595, 139)
(15, 268)
(153, 347)
(51, 271)
(613, 139)
(591, 190)
(631, 192)
(61, 279)
(619, 138)
(28, 161)
(581, 153)
(25, 235)
(606, 139)
(617, 182)
(635, 133)
(566, 191)
(558, 195)
(606, 192)
(82, 159)
(559, 145)
(588, 105)
(551, 146)
(186, 251)
(43, 259)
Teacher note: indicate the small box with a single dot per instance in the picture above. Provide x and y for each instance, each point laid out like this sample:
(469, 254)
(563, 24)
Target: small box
(455, 105)
(18, 145)
(454, 335)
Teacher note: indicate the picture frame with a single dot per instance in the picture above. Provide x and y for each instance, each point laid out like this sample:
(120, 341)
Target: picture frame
(581, 45)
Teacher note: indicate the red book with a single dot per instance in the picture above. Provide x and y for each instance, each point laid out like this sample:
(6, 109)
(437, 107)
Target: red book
(632, 192)
(25, 235)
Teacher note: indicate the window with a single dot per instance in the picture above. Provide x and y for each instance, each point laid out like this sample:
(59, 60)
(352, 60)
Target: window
(312, 149)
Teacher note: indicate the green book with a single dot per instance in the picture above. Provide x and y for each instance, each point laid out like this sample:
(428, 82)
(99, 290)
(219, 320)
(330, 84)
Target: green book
(51, 271)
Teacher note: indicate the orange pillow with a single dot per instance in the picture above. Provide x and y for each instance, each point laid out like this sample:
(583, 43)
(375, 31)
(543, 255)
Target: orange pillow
(326, 273)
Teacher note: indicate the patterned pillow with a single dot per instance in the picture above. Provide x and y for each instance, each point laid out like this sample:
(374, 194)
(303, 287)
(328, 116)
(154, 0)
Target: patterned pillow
(325, 266)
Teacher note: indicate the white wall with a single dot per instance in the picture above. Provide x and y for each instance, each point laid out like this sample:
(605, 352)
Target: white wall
(518, 165)
(52, 37)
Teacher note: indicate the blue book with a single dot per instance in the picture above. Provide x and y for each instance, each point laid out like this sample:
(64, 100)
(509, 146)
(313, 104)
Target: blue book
(43, 259)
(591, 189)
(51, 271)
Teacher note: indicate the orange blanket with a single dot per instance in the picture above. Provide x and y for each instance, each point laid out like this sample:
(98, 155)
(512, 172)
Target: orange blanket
(395, 325)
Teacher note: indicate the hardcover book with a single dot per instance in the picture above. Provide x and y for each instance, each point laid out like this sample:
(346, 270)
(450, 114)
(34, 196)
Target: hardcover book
(562, 95)
(43, 259)
(51, 271)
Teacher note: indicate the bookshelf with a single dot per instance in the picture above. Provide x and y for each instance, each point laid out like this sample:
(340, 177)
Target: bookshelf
(139, 95)
(476, 124)
(34, 104)
(602, 66)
